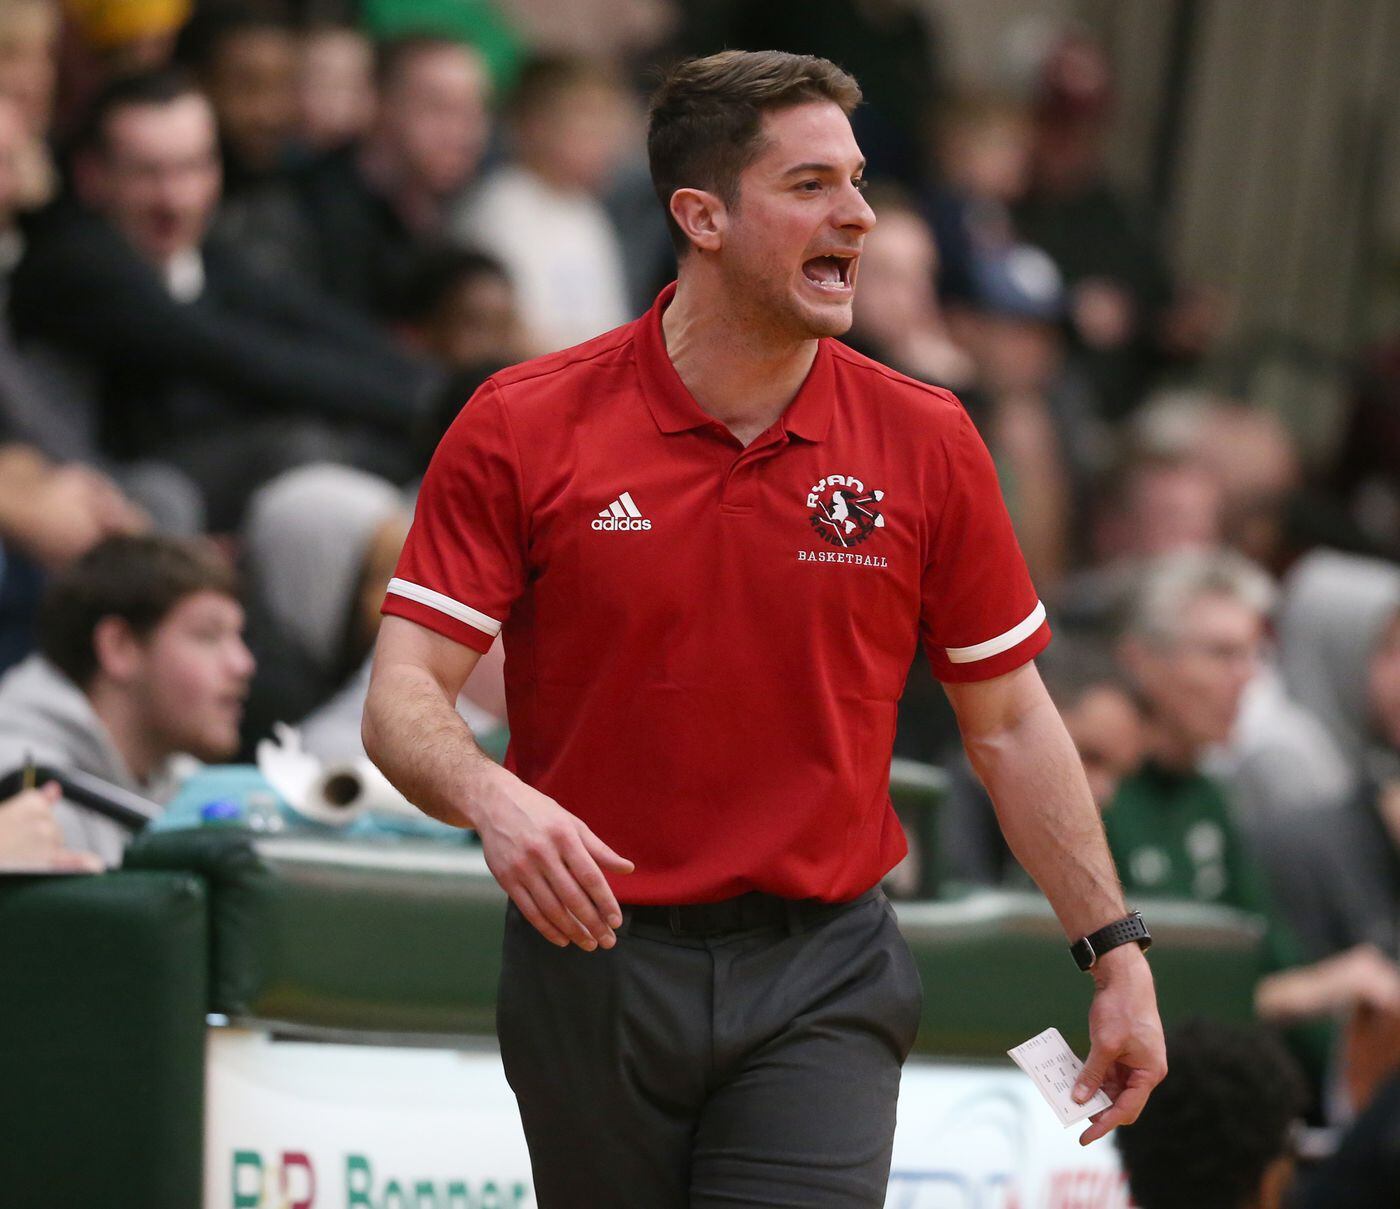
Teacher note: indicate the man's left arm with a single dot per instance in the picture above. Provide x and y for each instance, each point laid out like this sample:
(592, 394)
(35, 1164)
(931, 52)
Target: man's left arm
(1020, 748)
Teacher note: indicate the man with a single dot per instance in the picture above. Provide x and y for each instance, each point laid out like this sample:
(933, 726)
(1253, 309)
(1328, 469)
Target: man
(248, 60)
(702, 679)
(1219, 1131)
(1191, 644)
(542, 212)
(192, 359)
(140, 657)
(358, 218)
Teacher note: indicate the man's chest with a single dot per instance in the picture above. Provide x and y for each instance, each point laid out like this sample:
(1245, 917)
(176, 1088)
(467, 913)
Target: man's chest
(783, 547)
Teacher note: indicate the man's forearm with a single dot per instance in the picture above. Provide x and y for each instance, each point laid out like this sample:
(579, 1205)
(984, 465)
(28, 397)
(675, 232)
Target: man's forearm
(419, 741)
(1036, 782)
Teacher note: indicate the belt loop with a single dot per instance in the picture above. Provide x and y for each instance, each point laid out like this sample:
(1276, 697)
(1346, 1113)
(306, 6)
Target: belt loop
(626, 925)
(674, 917)
(793, 909)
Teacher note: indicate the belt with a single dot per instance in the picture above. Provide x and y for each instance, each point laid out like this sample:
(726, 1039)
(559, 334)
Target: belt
(744, 913)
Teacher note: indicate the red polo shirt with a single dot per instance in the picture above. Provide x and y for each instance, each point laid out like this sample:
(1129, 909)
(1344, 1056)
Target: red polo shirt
(705, 643)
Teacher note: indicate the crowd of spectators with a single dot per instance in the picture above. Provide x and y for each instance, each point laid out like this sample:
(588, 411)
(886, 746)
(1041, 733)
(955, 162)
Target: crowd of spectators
(254, 256)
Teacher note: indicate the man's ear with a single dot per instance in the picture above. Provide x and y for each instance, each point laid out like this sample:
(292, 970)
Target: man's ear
(701, 216)
(119, 651)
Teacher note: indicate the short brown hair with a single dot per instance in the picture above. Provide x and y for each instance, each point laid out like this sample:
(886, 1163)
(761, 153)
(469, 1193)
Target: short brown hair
(139, 579)
(705, 124)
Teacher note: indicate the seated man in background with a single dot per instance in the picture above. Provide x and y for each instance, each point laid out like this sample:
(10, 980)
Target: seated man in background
(1217, 1133)
(188, 356)
(353, 222)
(1191, 644)
(141, 657)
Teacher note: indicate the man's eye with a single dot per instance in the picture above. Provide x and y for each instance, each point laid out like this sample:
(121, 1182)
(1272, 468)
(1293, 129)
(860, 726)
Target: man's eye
(860, 183)
(810, 186)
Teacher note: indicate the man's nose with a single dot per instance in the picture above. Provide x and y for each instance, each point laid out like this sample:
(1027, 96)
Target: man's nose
(855, 212)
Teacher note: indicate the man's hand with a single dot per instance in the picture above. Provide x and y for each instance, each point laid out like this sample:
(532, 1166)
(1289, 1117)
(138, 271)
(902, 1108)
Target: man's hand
(30, 836)
(548, 862)
(1127, 1055)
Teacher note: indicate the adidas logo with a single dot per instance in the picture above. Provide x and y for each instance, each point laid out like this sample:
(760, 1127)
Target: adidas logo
(622, 513)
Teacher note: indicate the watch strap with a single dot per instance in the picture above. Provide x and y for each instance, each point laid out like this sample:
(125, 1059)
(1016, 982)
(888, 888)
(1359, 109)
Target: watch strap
(1130, 929)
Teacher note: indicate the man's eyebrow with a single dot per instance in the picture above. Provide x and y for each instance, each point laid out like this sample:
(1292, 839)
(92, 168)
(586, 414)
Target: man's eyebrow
(812, 166)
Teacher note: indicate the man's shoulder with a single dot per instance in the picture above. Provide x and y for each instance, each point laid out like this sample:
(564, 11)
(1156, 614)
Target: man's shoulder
(45, 717)
(579, 368)
(876, 381)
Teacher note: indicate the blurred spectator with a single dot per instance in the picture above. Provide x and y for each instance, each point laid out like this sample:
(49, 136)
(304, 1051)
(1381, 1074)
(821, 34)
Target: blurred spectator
(322, 543)
(360, 217)
(891, 46)
(458, 306)
(1336, 613)
(614, 33)
(1149, 505)
(188, 357)
(140, 658)
(1127, 316)
(1027, 401)
(983, 161)
(897, 316)
(481, 24)
(31, 839)
(1106, 727)
(246, 57)
(1191, 644)
(541, 213)
(28, 50)
(335, 87)
(1218, 1131)
(1250, 454)
(1365, 1169)
(1339, 631)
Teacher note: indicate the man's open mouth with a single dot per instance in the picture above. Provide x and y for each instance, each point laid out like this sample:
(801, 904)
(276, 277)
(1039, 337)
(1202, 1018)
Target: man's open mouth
(829, 272)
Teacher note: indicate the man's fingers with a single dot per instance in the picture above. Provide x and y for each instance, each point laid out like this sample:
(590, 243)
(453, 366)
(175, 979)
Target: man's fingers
(604, 855)
(585, 869)
(1094, 1073)
(566, 884)
(77, 862)
(558, 914)
(531, 911)
(1125, 1111)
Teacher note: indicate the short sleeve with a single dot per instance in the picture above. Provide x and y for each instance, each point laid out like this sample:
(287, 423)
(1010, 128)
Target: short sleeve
(463, 565)
(980, 616)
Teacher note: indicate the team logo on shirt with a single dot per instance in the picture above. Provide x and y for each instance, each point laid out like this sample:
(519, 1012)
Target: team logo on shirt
(843, 512)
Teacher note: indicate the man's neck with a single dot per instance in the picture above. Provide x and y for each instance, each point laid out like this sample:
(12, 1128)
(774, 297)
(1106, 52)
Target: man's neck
(141, 754)
(739, 373)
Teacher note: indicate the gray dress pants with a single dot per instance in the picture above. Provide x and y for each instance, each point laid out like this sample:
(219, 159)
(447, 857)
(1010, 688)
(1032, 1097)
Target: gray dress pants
(755, 1068)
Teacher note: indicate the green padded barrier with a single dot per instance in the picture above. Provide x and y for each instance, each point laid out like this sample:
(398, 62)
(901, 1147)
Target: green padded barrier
(996, 969)
(406, 939)
(330, 934)
(102, 1023)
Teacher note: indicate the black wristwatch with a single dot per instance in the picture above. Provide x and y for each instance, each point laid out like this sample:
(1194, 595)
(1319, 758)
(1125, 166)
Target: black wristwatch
(1088, 949)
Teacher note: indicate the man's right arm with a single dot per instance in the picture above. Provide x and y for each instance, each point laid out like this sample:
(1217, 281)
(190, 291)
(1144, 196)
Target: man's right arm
(546, 859)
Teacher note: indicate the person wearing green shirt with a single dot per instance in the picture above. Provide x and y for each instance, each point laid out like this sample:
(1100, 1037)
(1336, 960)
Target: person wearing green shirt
(1191, 644)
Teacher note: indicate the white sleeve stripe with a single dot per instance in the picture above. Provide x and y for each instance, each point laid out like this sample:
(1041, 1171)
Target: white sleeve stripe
(445, 604)
(1002, 642)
